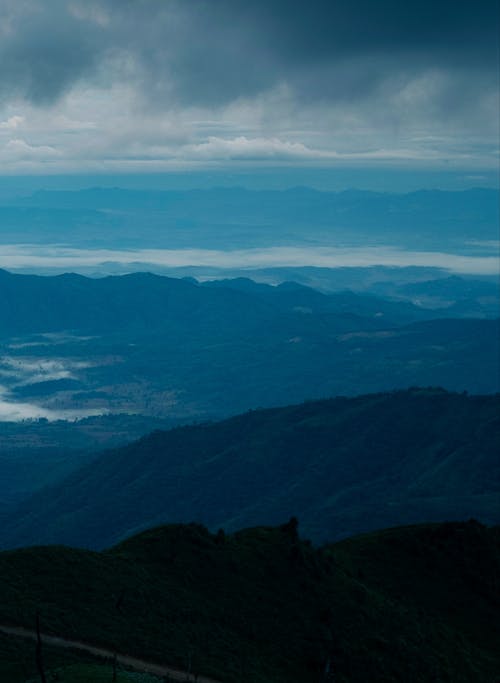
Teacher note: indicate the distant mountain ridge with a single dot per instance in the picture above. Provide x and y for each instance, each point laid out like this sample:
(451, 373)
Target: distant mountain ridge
(342, 465)
(179, 349)
(108, 217)
(34, 303)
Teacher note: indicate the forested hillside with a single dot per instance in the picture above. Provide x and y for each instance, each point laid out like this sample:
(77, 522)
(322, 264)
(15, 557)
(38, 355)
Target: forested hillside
(342, 466)
(71, 346)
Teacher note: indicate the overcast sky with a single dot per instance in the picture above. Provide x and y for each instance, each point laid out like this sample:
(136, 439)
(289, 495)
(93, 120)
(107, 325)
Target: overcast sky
(147, 85)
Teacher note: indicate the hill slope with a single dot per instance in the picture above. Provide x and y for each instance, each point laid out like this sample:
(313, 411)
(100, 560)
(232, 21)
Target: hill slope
(341, 465)
(35, 304)
(412, 604)
(171, 348)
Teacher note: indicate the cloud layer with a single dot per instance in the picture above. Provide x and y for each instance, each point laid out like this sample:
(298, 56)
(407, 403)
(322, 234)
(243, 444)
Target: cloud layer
(132, 84)
(37, 258)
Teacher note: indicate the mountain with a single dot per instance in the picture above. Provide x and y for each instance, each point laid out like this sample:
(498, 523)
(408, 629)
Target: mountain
(343, 466)
(108, 218)
(35, 453)
(455, 296)
(36, 304)
(409, 604)
(72, 346)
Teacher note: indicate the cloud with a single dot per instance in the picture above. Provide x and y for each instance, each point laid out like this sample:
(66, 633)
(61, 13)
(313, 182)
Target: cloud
(239, 148)
(31, 370)
(260, 149)
(17, 411)
(203, 51)
(28, 257)
(216, 52)
(41, 52)
(19, 371)
(95, 83)
(12, 123)
(20, 149)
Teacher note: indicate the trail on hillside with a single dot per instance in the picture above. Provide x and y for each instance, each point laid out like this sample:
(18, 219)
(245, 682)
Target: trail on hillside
(124, 660)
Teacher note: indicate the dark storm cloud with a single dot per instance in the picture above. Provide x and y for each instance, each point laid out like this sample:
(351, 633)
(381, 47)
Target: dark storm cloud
(213, 51)
(327, 27)
(222, 49)
(42, 50)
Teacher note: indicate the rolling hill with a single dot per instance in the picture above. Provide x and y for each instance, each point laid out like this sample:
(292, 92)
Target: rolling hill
(127, 303)
(177, 349)
(342, 466)
(408, 604)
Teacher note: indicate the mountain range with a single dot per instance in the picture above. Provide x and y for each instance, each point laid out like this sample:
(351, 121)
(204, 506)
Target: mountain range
(109, 218)
(179, 349)
(343, 466)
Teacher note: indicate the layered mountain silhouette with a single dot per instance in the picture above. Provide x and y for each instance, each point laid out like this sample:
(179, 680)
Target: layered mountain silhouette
(177, 348)
(109, 217)
(342, 466)
(133, 302)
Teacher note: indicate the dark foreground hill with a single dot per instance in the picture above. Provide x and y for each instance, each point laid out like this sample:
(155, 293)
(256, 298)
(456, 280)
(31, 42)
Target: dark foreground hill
(344, 466)
(415, 604)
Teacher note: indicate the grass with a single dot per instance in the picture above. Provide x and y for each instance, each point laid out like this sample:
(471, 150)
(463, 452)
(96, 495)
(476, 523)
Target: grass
(94, 673)
(413, 604)
(18, 664)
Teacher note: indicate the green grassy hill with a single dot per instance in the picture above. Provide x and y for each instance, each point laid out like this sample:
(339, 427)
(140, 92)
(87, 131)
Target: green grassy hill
(343, 466)
(409, 604)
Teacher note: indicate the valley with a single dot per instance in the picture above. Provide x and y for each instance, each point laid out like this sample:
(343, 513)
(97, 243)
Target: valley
(169, 348)
(343, 466)
(249, 341)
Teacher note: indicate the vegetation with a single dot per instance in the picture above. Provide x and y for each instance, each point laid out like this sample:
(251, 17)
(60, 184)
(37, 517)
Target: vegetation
(17, 660)
(35, 453)
(262, 606)
(170, 347)
(96, 673)
(343, 465)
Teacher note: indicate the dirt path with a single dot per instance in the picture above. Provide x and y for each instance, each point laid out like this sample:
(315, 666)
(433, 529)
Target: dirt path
(125, 660)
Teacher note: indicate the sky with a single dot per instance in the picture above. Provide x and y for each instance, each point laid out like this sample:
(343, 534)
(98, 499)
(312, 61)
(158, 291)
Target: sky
(145, 86)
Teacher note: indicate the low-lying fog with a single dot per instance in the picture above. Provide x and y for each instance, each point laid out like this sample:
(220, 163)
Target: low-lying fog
(34, 258)
(17, 371)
